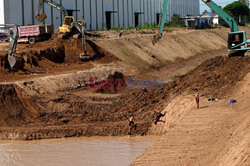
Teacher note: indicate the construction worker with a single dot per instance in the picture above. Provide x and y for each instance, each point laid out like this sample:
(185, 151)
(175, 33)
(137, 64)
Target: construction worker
(131, 125)
(197, 98)
(158, 115)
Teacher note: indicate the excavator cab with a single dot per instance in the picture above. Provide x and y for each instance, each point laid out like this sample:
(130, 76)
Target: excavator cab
(68, 20)
(236, 40)
(67, 23)
(238, 43)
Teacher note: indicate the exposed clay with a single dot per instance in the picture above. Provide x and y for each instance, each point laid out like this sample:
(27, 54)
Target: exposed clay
(83, 112)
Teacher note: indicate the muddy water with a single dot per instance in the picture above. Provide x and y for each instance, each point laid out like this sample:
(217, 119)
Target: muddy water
(94, 151)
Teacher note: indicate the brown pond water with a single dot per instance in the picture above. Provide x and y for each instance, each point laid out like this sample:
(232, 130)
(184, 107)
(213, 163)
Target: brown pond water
(93, 151)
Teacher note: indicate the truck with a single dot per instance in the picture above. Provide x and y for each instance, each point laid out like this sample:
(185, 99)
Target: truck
(34, 33)
(29, 34)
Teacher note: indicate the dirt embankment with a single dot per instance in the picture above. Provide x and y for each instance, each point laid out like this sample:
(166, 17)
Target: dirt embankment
(14, 109)
(133, 50)
(216, 134)
(81, 111)
(56, 56)
(54, 102)
(138, 50)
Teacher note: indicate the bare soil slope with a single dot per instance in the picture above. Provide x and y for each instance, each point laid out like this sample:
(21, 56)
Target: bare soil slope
(75, 112)
(14, 111)
(133, 49)
(56, 56)
(216, 134)
(52, 100)
(138, 50)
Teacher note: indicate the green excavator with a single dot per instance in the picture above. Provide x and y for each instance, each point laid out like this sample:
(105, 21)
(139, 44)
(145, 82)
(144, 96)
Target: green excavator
(238, 44)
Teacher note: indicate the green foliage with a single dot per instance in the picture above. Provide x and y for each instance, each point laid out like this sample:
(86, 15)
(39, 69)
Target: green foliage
(238, 9)
(176, 21)
(104, 26)
(131, 27)
(147, 26)
(204, 12)
(118, 28)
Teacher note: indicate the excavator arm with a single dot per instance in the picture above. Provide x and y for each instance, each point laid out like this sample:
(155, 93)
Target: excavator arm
(79, 28)
(230, 20)
(13, 34)
(70, 27)
(42, 16)
(157, 37)
(237, 40)
(226, 17)
(163, 17)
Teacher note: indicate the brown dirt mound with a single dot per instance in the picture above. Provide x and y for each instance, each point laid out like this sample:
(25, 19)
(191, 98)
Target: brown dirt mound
(113, 83)
(53, 56)
(109, 113)
(14, 110)
(216, 77)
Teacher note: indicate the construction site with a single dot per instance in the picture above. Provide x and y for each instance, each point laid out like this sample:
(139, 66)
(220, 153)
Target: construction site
(59, 88)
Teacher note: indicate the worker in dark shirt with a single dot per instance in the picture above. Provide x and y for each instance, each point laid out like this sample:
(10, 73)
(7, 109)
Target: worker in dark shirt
(131, 125)
(158, 115)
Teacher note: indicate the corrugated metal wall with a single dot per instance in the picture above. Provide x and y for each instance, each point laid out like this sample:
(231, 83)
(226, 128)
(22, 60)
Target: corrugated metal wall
(23, 12)
(2, 21)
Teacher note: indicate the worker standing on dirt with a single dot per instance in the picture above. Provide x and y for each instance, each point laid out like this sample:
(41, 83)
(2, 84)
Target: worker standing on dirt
(158, 115)
(131, 125)
(197, 98)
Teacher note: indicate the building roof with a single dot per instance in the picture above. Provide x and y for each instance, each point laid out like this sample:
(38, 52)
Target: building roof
(208, 14)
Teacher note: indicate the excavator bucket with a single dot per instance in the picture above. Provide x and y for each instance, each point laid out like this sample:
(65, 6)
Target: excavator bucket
(12, 61)
(84, 57)
(15, 63)
(41, 17)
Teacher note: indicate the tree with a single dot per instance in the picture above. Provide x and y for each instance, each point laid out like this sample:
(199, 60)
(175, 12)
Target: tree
(204, 12)
(238, 10)
(176, 21)
(245, 2)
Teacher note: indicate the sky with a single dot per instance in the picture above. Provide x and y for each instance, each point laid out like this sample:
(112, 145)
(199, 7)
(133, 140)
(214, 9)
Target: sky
(222, 3)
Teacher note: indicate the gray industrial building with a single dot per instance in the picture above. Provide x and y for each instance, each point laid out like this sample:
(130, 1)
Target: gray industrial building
(98, 13)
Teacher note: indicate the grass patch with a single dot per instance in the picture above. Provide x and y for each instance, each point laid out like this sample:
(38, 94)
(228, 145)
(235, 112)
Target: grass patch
(202, 46)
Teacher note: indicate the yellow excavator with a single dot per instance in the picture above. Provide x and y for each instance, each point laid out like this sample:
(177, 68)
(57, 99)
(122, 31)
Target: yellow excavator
(68, 20)
(70, 26)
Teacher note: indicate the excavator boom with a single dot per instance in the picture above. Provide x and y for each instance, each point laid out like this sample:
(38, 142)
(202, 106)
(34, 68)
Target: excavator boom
(237, 40)
(163, 16)
(42, 16)
(226, 17)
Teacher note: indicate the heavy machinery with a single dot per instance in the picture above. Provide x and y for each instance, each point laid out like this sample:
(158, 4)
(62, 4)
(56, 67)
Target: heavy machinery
(68, 20)
(157, 37)
(12, 31)
(238, 43)
(70, 26)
